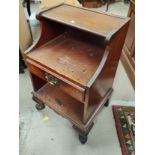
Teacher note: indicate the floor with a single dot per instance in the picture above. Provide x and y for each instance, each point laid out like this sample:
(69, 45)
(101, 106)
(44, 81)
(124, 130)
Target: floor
(47, 133)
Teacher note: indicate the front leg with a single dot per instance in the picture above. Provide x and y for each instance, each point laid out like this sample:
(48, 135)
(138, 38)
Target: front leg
(83, 135)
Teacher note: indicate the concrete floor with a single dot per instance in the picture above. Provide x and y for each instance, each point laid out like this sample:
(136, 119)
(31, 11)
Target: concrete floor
(56, 136)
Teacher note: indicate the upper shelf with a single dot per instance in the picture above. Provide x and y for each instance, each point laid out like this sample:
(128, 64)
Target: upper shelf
(98, 23)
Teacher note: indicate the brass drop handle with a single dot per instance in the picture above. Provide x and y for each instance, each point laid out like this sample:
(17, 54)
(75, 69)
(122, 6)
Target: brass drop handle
(51, 79)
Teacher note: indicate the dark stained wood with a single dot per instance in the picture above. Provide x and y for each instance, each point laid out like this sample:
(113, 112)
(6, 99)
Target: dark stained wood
(73, 64)
(43, 68)
(37, 83)
(83, 135)
(104, 80)
(49, 30)
(36, 71)
(76, 17)
(92, 110)
(128, 51)
(71, 57)
(69, 107)
(74, 92)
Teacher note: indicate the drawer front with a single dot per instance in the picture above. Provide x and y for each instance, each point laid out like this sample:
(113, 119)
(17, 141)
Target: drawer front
(65, 87)
(35, 70)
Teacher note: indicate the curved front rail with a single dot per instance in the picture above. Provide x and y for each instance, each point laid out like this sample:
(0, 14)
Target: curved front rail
(102, 63)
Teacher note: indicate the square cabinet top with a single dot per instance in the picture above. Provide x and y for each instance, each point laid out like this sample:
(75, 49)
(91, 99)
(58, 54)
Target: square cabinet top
(103, 24)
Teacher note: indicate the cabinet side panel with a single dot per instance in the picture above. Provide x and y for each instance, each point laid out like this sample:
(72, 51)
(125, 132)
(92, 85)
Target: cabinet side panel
(104, 81)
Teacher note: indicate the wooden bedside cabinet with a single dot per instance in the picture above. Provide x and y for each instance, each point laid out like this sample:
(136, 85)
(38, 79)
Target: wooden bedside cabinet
(73, 63)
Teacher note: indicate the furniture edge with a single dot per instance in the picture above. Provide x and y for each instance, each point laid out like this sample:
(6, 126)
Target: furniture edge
(104, 57)
(102, 62)
(126, 19)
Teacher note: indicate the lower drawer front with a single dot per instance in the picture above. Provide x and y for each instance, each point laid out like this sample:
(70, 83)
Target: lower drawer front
(68, 89)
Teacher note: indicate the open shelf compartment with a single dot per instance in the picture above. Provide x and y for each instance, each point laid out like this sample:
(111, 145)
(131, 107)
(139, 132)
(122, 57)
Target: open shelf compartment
(60, 102)
(71, 56)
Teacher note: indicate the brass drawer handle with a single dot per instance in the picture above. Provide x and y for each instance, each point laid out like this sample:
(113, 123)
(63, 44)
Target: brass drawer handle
(51, 79)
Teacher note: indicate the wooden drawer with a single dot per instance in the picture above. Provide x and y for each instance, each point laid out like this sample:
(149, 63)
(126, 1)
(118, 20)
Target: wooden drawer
(78, 94)
(35, 70)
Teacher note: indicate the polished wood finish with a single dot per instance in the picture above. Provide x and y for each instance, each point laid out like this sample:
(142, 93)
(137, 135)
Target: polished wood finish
(67, 88)
(128, 52)
(76, 17)
(70, 56)
(61, 103)
(73, 64)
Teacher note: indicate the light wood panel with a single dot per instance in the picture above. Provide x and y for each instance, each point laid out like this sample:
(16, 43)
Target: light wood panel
(128, 52)
(49, 3)
(25, 38)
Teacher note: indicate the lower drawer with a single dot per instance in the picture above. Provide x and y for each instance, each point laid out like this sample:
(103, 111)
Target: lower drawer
(65, 87)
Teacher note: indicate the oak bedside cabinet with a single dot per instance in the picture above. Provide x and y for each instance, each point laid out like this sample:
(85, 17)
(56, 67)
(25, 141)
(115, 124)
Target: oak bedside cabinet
(73, 64)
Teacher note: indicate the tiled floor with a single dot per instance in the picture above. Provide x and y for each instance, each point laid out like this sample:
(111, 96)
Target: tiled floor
(56, 136)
